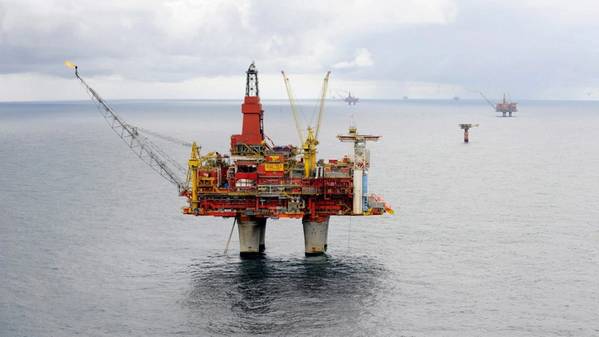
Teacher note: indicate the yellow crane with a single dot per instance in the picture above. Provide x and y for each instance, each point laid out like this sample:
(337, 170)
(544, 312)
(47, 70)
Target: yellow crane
(308, 143)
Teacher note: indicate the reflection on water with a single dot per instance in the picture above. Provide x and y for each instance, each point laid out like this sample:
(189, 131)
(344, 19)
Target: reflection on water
(274, 296)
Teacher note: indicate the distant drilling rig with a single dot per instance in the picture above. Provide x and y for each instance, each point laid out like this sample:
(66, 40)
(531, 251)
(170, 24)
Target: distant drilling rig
(506, 107)
(261, 180)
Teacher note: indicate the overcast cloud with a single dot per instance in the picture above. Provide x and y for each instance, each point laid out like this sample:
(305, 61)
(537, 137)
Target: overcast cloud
(380, 49)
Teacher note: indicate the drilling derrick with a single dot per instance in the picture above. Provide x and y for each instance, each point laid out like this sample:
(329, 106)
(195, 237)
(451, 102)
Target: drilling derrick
(251, 139)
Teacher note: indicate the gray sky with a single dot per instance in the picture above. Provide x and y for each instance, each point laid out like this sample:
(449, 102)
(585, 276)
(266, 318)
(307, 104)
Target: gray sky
(533, 49)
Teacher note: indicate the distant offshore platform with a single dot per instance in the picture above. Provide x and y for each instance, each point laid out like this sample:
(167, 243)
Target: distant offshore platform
(506, 107)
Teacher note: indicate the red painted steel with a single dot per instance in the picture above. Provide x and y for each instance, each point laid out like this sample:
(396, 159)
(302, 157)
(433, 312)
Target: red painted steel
(251, 130)
(268, 181)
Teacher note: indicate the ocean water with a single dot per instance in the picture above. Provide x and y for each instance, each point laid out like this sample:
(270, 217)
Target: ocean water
(498, 237)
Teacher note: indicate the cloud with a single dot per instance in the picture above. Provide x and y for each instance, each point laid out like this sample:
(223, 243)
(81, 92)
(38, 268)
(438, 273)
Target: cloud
(175, 40)
(526, 47)
(363, 58)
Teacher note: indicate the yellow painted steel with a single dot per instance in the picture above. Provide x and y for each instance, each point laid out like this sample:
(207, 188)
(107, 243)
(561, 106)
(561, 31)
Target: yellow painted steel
(274, 167)
(309, 148)
(323, 95)
(192, 175)
(310, 143)
(298, 125)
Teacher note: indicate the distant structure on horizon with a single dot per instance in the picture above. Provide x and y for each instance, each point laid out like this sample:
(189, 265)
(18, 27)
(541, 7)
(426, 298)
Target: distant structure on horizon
(351, 100)
(506, 107)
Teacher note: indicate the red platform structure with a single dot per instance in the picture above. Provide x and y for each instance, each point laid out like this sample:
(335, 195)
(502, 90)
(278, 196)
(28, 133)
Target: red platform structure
(506, 107)
(260, 181)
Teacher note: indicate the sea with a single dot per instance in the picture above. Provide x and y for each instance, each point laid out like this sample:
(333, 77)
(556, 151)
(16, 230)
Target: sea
(497, 237)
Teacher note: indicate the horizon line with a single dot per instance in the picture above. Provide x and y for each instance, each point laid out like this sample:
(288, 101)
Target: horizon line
(408, 99)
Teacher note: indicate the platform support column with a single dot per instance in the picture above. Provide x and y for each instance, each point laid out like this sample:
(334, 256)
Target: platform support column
(251, 235)
(262, 227)
(315, 236)
(466, 134)
(358, 191)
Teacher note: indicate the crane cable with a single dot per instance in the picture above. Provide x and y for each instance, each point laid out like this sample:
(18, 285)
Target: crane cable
(161, 136)
(147, 151)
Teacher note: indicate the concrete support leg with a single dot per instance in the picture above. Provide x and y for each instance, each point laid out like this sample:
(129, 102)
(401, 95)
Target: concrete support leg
(315, 236)
(262, 225)
(251, 235)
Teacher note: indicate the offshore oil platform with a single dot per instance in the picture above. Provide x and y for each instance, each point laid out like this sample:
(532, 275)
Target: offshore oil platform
(351, 100)
(506, 107)
(258, 180)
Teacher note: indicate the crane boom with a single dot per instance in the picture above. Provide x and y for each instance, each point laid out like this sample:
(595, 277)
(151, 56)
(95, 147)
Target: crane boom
(486, 99)
(325, 85)
(147, 151)
(298, 125)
